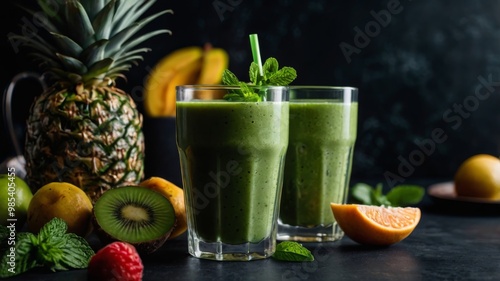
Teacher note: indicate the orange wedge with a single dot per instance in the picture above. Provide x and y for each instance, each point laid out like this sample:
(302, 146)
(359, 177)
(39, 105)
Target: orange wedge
(376, 225)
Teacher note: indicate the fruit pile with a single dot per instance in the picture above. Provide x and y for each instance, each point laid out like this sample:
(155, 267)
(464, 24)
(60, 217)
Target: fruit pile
(129, 221)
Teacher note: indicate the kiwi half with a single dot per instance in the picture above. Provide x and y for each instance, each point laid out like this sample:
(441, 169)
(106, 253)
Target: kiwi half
(134, 214)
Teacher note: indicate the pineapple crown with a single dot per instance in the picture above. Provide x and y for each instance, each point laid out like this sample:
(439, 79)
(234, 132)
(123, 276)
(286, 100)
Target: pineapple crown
(90, 41)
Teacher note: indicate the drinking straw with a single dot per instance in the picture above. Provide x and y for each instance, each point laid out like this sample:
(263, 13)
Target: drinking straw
(254, 44)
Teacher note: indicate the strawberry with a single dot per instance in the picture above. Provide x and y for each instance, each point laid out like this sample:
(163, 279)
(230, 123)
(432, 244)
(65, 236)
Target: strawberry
(116, 261)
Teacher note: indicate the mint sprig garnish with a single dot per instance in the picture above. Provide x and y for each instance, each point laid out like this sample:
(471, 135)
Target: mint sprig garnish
(398, 196)
(52, 248)
(272, 76)
(292, 251)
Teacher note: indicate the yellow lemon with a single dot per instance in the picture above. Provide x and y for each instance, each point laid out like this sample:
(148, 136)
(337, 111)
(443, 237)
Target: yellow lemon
(479, 176)
(62, 200)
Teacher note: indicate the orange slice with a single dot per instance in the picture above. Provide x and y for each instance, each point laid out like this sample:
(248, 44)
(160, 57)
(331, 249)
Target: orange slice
(375, 225)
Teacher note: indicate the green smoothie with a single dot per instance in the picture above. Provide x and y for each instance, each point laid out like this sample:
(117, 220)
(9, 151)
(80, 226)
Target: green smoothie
(232, 154)
(318, 160)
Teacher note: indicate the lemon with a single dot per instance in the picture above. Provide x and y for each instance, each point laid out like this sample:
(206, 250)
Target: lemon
(62, 200)
(479, 176)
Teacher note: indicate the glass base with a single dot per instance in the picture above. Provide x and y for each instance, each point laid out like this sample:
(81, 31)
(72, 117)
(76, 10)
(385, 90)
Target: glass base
(327, 233)
(226, 252)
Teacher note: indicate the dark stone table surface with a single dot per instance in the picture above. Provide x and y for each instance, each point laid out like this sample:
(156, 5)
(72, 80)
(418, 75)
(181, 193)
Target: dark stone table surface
(451, 242)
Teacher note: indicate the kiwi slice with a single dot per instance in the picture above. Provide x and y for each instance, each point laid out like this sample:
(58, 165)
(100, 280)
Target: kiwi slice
(134, 214)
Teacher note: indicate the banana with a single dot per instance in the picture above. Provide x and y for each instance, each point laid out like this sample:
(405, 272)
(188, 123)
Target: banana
(188, 65)
(215, 60)
(155, 100)
(185, 76)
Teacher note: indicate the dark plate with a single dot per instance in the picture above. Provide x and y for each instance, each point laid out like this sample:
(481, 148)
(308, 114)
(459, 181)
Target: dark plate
(444, 195)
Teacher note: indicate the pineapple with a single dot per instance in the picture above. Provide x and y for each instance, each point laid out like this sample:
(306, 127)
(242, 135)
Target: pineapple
(83, 129)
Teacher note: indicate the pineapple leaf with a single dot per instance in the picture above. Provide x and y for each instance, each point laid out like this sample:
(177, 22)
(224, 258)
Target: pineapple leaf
(72, 64)
(75, 78)
(50, 9)
(132, 59)
(115, 42)
(102, 22)
(72, 49)
(79, 23)
(44, 60)
(154, 16)
(94, 52)
(117, 71)
(35, 42)
(42, 20)
(62, 75)
(121, 37)
(129, 45)
(131, 15)
(122, 9)
(93, 7)
(98, 68)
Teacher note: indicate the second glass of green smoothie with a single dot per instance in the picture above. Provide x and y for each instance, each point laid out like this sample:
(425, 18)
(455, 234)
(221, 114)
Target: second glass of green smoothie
(232, 160)
(323, 123)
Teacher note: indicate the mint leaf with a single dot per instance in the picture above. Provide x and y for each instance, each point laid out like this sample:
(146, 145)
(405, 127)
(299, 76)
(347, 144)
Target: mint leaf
(282, 77)
(228, 78)
(59, 250)
(362, 193)
(76, 252)
(378, 196)
(399, 196)
(56, 227)
(272, 76)
(292, 251)
(52, 248)
(254, 74)
(49, 252)
(404, 195)
(24, 255)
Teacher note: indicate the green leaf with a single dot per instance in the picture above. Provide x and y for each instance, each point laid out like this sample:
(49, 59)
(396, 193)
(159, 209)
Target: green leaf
(399, 196)
(102, 21)
(272, 77)
(362, 193)
(405, 195)
(254, 74)
(72, 65)
(24, 254)
(378, 197)
(71, 47)
(79, 23)
(282, 77)
(52, 248)
(59, 250)
(292, 251)
(270, 66)
(56, 227)
(229, 78)
(76, 252)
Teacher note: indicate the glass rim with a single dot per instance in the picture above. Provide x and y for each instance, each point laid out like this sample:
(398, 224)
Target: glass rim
(318, 87)
(227, 87)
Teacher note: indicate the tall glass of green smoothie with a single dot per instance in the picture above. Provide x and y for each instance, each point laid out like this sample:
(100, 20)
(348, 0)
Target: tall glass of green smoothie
(232, 161)
(323, 123)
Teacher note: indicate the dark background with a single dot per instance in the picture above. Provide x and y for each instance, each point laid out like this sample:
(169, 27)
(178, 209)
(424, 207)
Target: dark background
(417, 72)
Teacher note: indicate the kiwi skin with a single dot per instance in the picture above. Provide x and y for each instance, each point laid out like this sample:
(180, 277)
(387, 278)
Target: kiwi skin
(143, 248)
